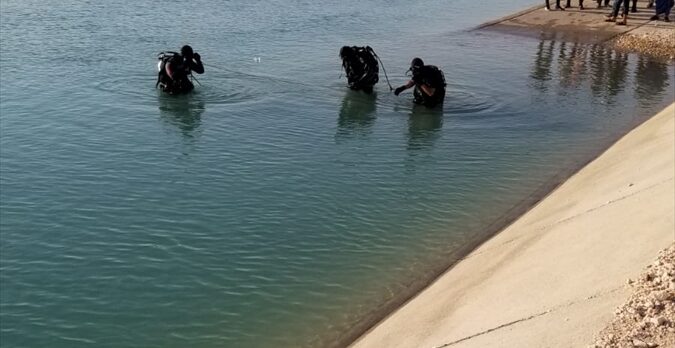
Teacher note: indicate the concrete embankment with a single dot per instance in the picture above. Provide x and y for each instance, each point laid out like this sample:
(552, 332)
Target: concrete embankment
(554, 277)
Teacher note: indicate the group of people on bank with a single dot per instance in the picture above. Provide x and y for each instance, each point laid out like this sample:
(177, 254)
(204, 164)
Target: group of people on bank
(359, 63)
(661, 7)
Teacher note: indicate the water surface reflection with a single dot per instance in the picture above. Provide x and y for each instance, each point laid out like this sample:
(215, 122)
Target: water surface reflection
(568, 65)
(357, 114)
(182, 111)
(651, 79)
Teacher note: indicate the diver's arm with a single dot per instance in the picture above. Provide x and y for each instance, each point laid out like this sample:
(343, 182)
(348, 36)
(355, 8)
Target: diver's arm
(410, 83)
(196, 64)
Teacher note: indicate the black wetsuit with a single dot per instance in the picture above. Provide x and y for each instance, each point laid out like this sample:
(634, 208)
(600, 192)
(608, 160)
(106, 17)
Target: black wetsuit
(361, 68)
(181, 69)
(431, 76)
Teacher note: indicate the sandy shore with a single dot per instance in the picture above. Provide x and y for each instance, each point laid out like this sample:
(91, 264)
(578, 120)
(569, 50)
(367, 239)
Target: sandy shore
(643, 35)
(554, 277)
(657, 41)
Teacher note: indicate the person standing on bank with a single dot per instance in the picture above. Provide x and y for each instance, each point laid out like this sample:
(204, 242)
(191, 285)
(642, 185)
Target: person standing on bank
(569, 4)
(615, 12)
(429, 84)
(600, 3)
(557, 6)
(663, 7)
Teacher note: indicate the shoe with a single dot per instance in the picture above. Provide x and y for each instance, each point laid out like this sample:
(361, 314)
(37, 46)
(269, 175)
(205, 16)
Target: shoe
(581, 8)
(654, 18)
(610, 19)
(559, 8)
(666, 19)
(547, 9)
(633, 10)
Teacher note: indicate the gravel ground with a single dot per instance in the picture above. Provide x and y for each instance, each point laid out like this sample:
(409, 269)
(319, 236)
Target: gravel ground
(647, 319)
(657, 43)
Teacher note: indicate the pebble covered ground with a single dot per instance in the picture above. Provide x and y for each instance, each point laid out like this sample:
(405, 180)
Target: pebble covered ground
(647, 319)
(657, 43)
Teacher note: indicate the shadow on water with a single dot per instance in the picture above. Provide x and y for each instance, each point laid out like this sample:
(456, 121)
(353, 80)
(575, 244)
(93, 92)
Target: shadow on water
(568, 65)
(357, 114)
(182, 111)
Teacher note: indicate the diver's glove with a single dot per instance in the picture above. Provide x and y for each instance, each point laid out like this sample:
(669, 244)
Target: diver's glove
(398, 91)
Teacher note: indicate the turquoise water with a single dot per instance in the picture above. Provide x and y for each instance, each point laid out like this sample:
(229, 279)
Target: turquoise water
(272, 207)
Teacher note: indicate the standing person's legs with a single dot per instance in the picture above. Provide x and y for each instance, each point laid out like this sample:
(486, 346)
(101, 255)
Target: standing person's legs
(548, 6)
(663, 6)
(626, 8)
(569, 4)
(672, 4)
(656, 14)
(634, 8)
(616, 6)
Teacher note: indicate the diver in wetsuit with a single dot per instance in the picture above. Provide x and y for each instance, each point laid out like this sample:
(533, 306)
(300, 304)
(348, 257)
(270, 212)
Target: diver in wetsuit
(360, 67)
(429, 84)
(175, 70)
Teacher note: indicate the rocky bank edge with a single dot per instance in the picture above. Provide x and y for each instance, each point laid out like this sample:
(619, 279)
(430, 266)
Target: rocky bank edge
(656, 43)
(647, 319)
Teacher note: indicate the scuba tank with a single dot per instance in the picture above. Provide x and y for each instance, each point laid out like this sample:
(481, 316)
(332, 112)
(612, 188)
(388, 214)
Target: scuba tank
(179, 83)
(165, 57)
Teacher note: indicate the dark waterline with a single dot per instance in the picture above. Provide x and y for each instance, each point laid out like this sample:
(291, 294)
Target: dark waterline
(272, 207)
